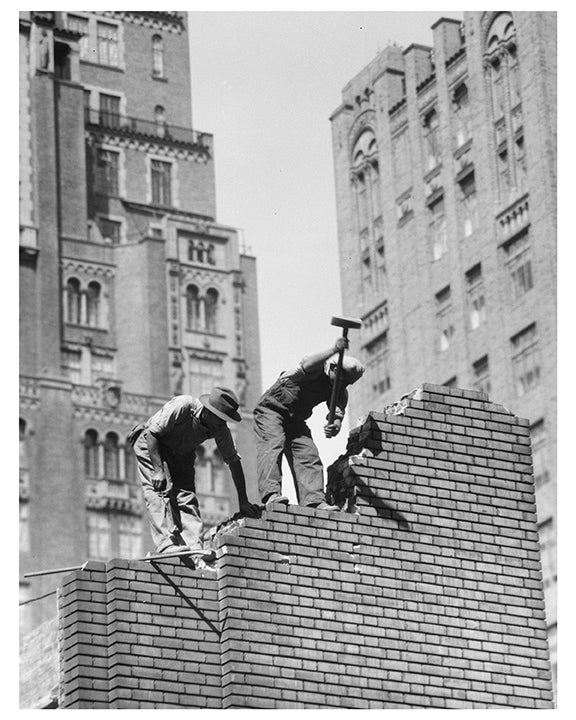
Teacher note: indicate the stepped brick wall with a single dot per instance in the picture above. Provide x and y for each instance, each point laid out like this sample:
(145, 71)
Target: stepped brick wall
(424, 591)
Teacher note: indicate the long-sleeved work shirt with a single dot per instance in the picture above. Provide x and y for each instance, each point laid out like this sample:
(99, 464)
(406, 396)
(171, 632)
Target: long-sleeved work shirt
(178, 427)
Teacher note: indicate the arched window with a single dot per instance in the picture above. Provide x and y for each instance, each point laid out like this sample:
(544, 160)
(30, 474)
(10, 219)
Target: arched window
(93, 304)
(111, 456)
(366, 178)
(129, 462)
(157, 56)
(211, 303)
(160, 120)
(91, 453)
(502, 74)
(192, 308)
(73, 302)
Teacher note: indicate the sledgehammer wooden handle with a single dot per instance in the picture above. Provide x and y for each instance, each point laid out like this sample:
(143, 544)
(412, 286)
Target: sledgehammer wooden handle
(345, 324)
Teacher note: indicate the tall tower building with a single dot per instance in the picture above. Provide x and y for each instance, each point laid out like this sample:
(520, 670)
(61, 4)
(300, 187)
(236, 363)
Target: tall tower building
(130, 290)
(445, 167)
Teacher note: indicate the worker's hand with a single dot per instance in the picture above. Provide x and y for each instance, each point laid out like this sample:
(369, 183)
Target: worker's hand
(248, 509)
(341, 344)
(332, 429)
(159, 482)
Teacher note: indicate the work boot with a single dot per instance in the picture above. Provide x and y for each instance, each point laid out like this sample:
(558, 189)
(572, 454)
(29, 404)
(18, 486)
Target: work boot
(325, 506)
(275, 499)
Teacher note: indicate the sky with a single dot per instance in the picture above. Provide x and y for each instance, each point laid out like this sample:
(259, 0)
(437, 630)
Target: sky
(265, 84)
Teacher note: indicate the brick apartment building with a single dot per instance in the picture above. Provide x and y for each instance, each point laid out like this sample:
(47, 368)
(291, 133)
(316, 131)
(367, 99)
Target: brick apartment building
(445, 167)
(130, 290)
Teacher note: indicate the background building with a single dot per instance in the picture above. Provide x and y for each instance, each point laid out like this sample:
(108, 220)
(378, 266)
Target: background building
(130, 290)
(445, 167)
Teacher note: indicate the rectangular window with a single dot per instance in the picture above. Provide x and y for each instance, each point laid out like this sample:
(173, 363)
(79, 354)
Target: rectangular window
(107, 172)
(469, 204)
(444, 318)
(99, 540)
(129, 536)
(359, 183)
(539, 439)
(463, 124)
(80, 25)
(521, 177)
(519, 266)
(547, 535)
(86, 95)
(107, 44)
(432, 139)
(377, 373)
(204, 374)
(111, 230)
(526, 360)
(401, 160)
(438, 231)
(71, 365)
(161, 182)
(481, 372)
(504, 170)
(109, 110)
(366, 269)
(102, 366)
(475, 296)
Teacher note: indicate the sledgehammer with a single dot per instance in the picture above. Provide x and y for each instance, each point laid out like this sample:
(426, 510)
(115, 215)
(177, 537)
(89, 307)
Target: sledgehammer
(345, 324)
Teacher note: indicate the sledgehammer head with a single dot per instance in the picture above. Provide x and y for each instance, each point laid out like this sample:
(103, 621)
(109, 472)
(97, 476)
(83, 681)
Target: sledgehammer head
(345, 322)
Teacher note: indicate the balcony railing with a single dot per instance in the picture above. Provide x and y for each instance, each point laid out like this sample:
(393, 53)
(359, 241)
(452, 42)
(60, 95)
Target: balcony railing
(162, 131)
(112, 494)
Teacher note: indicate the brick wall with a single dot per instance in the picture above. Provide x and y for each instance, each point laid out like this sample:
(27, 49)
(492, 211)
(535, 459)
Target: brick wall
(425, 591)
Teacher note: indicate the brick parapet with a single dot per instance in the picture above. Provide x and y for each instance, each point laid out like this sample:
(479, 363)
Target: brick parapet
(424, 591)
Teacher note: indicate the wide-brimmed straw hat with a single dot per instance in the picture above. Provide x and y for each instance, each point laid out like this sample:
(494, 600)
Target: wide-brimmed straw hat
(223, 403)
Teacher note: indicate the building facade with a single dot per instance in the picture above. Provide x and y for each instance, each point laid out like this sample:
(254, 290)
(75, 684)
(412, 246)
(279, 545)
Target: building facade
(445, 167)
(130, 290)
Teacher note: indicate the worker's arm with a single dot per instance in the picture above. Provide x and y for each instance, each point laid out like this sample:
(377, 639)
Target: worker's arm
(332, 429)
(246, 507)
(313, 363)
(227, 448)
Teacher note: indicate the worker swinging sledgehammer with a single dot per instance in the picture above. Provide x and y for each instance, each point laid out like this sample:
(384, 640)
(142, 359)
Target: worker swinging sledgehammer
(280, 421)
(165, 452)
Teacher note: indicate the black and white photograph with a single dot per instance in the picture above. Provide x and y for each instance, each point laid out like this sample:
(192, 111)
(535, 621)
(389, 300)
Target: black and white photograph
(288, 318)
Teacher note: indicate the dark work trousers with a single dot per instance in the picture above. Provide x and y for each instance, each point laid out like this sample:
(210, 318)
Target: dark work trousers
(174, 514)
(279, 435)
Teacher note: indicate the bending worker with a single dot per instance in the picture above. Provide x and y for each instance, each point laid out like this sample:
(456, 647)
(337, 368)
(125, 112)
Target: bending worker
(165, 449)
(280, 425)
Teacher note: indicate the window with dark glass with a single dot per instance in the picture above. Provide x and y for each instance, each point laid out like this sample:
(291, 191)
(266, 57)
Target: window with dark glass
(211, 304)
(109, 110)
(157, 56)
(107, 172)
(91, 454)
(161, 182)
(107, 44)
(526, 359)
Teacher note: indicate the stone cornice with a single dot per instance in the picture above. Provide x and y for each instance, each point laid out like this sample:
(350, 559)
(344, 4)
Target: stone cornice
(167, 21)
(142, 143)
